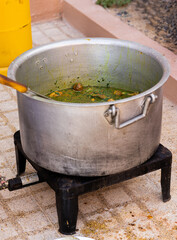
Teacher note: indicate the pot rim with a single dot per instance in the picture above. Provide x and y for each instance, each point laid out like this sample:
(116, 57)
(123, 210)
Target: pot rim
(123, 43)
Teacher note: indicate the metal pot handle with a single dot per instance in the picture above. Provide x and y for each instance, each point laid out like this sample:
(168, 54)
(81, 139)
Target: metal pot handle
(112, 114)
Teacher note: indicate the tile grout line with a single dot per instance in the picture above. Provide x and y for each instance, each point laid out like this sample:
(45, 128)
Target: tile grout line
(117, 216)
(42, 210)
(12, 218)
(162, 231)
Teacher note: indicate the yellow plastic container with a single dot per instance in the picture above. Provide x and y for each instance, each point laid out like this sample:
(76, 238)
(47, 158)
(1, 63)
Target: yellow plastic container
(4, 71)
(14, 14)
(15, 30)
(13, 43)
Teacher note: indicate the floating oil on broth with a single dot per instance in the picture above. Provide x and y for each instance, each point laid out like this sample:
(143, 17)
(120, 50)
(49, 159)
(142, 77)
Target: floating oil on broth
(89, 94)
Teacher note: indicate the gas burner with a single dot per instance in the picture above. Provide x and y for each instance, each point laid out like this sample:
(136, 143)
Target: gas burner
(68, 188)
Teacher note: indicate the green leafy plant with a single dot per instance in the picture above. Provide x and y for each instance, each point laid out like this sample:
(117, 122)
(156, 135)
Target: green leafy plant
(110, 3)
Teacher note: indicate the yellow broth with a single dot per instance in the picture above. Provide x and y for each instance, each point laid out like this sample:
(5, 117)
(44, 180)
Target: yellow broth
(90, 94)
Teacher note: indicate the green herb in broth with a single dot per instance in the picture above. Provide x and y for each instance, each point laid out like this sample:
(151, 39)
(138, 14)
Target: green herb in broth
(90, 94)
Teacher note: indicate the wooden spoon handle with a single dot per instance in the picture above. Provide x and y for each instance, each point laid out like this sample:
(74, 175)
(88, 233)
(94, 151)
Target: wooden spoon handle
(9, 82)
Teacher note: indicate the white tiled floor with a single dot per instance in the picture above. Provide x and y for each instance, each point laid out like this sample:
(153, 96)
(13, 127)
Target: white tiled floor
(130, 210)
(53, 31)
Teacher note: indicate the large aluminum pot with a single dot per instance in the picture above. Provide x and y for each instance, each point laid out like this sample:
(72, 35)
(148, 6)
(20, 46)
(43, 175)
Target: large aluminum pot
(97, 138)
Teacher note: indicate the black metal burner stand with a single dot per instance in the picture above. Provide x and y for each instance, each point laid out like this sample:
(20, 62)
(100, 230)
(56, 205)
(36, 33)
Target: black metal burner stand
(68, 188)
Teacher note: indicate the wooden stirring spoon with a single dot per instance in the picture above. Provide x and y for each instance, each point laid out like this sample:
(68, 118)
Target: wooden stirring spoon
(19, 86)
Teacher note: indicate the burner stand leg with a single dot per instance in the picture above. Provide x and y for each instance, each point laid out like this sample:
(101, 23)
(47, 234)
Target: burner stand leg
(67, 209)
(20, 158)
(165, 182)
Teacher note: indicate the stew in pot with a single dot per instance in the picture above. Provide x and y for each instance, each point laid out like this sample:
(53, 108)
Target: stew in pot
(89, 94)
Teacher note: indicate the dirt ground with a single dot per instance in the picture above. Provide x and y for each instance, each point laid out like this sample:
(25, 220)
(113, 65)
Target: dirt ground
(156, 19)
